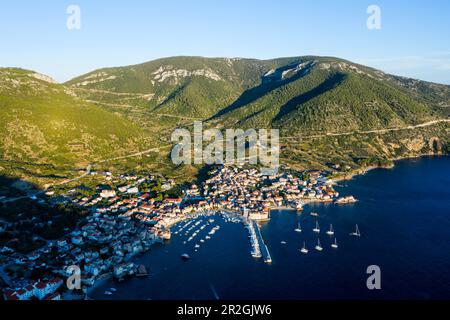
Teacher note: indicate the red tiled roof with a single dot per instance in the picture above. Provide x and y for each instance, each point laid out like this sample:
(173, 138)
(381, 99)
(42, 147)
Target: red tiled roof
(53, 296)
(11, 296)
(40, 285)
(54, 281)
(21, 292)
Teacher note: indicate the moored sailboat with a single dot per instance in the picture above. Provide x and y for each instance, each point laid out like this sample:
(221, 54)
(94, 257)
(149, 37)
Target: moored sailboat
(335, 244)
(319, 246)
(304, 250)
(331, 231)
(317, 228)
(357, 233)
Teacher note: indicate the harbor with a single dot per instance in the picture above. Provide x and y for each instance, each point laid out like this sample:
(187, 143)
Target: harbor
(262, 245)
(259, 247)
(225, 263)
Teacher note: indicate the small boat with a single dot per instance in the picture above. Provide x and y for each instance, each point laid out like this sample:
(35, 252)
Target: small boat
(331, 231)
(202, 241)
(317, 228)
(108, 293)
(304, 250)
(113, 290)
(314, 214)
(197, 246)
(185, 256)
(299, 228)
(207, 237)
(334, 245)
(283, 242)
(319, 246)
(256, 254)
(357, 233)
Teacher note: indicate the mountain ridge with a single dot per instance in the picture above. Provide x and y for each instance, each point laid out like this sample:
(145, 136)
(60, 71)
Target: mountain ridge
(322, 98)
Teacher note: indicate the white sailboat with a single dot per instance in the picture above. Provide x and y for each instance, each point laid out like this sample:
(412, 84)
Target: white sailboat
(299, 228)
(304, 250)
(357, 233)
(331, 231)
(317, 228)
(335, 244)
(319, 246)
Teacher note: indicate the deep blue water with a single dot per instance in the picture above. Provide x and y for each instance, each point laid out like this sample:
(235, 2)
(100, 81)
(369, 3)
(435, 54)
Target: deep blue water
(404, 217)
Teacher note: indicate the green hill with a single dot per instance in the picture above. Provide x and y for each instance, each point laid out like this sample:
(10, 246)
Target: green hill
(310, 93)
(48, 133)
(329, 111)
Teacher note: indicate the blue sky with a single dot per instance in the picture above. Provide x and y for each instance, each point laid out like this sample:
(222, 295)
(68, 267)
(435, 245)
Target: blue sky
(413, 39)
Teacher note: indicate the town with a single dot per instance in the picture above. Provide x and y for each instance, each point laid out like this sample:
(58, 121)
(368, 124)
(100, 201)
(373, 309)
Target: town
(128, 214)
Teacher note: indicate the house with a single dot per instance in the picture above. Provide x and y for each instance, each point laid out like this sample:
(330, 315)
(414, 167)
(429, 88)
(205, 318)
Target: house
(174, 201)
(43, 289)
(55, 297)
(77, 240)
(61, 243)
(106, 194)
(39, 290)
(145, 196)
(133, 190)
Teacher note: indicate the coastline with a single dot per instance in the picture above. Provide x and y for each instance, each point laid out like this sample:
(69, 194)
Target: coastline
(358, 172)
(361, 171)
(106, 277)
(312, 269)
(99, 283)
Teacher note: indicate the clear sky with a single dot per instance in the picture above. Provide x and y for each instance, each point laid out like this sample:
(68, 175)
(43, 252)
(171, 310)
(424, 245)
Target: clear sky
(413, 39)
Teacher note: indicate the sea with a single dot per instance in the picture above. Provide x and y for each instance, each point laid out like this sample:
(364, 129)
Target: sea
(403, 216)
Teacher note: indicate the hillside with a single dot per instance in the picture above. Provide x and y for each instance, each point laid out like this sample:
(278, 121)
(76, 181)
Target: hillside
(49, 134)
(314, 101)
(329, 111)
(280, 92)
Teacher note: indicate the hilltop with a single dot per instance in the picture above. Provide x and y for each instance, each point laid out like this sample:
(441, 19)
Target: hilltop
(314, 101)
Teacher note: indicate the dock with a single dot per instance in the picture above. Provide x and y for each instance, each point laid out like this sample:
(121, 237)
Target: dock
(262, 246)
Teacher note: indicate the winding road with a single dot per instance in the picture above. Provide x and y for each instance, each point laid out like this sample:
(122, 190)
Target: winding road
(380, 131)
(158, 149)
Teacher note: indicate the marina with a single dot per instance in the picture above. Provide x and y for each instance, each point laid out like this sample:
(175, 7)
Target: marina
(262, 246)
(227, 252)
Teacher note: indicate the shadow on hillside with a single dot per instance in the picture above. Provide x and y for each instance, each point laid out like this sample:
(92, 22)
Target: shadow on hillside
(38, 170)
(27, 222)
(171, 96)
(293, 104)
(14, 187)
(264, 88)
